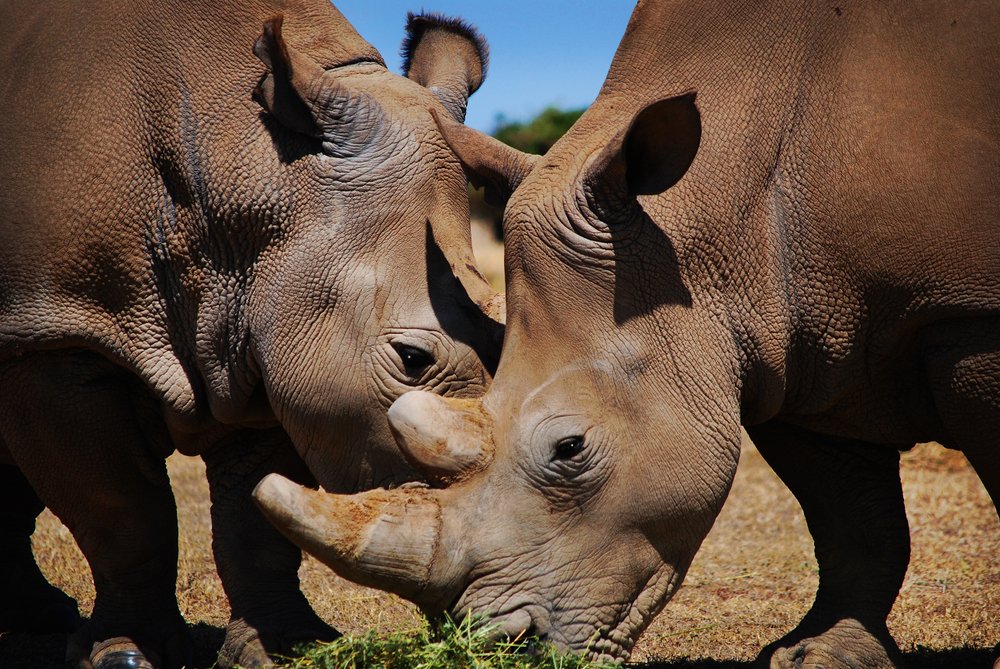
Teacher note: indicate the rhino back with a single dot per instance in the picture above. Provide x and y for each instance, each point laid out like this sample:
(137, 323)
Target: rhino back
(820, 191)
(132, 153)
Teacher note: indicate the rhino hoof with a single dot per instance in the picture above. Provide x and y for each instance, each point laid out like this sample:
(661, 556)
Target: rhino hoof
(118, 653)
(846, 645)
(251, 646)
(168, 647)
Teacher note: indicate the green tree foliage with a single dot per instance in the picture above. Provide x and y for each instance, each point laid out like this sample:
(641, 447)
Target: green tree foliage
(540, 133)
(534, 136)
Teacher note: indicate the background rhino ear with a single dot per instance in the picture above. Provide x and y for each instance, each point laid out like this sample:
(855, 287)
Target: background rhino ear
(447, 56)
(488, 163)
(283, 90)
(656, 150)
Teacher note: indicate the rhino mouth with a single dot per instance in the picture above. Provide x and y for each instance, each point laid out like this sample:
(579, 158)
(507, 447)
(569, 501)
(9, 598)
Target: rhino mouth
(519, 624)
(514, 626)
(522, 620)
(593, 641)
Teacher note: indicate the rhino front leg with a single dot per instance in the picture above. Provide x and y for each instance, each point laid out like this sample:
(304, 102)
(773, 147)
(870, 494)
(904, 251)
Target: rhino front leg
(962, 363)
(72, 429)
(852, 499)
(963, 367)
(28, 603)
(257, 565)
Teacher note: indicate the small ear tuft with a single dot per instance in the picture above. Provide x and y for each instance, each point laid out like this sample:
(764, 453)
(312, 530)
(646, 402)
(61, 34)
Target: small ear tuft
(418, 24)
(277, 91)
(447, 56)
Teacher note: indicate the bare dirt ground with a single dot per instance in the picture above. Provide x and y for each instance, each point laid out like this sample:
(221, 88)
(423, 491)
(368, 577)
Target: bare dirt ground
(752, 581)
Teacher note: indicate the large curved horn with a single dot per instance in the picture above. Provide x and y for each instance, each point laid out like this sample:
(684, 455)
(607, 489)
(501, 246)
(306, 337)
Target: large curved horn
(495, 307)
(388, 539)
(445, 438)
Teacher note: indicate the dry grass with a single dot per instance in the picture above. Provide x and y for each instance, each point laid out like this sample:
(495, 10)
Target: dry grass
(444, 645)
(751, 582)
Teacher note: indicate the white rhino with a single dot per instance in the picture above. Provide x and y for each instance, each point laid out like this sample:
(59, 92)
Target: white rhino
(245, 258)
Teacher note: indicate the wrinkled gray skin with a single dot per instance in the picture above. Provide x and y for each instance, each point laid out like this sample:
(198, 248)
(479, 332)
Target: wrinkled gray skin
(231, 243)
(778, 214)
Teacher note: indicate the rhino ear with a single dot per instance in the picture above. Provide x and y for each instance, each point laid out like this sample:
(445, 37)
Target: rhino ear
(488, 163)
(283, 91)
(656, 150)
(447, 56)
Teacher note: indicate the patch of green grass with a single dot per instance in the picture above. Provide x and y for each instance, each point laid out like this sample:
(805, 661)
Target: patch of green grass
(449, 645)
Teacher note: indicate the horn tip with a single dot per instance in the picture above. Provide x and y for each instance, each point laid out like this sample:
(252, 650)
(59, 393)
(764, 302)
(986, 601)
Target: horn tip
(275, 494)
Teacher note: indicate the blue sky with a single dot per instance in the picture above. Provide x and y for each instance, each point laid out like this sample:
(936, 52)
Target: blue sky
(545, 52)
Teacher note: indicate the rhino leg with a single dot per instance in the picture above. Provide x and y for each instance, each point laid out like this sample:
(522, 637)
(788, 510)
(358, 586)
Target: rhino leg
(963, 364)
(72, 428)
(257, 565)
(28, 603)
(852, 499)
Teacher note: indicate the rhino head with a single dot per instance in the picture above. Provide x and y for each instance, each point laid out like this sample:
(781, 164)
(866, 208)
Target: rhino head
(572, 498)
(367, 288)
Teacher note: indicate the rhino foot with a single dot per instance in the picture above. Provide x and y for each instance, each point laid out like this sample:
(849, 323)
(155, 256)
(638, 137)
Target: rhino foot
(845, 645)
(169, 646)
(250, 645)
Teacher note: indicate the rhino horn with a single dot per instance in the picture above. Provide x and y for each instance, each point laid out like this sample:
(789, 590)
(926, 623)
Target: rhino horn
(445, 438)
(380, 538)
(488, 162)
(495, 307)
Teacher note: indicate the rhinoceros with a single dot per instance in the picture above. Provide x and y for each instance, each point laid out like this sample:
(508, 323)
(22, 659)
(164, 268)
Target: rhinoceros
(226, 229)
(776, 214)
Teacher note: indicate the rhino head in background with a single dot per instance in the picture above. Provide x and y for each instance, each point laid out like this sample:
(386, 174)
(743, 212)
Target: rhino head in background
(388, 217)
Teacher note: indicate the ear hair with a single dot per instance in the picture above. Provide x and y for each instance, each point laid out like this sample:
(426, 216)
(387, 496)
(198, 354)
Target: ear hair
(447, 56)
(418, 24)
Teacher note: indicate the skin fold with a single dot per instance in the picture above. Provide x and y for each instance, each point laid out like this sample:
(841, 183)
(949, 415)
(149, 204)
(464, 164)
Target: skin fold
(225, 229)
(781, 215)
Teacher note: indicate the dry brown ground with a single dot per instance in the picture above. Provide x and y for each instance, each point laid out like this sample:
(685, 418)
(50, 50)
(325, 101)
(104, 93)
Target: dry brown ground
(751, 582)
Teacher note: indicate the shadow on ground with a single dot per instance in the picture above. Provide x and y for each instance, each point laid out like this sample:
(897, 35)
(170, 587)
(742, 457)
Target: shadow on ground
(48, 651)
(21, 651)
(959, 658)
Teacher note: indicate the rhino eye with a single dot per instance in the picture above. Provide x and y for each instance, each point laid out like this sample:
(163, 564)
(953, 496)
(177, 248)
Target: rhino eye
(568, 448)
(415, 360)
